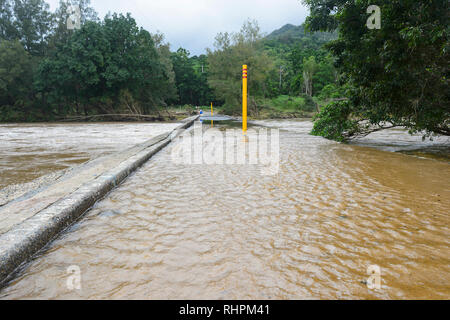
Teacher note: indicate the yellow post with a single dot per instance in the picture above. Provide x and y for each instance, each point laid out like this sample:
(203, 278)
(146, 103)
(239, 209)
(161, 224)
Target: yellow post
(212, 113)
(244, 98)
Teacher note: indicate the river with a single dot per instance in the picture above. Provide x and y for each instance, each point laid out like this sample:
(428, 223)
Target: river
(177, 231)
(30, 151)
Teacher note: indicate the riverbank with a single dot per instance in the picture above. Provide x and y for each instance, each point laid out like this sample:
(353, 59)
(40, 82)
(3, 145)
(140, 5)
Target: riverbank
(162, 115)
(269, 113)
(274, 114)
(280, 108)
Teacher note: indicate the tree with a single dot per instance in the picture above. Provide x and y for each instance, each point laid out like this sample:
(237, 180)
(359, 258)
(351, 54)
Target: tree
(15, 79)
(7, 31)
(74, 72)
(61, 33)
(24, 27)
(325, 75)
(103, 64)
(225, 65)
(191, 78)
(169, 89)
(399, 74)
(184, 75)
(301, 51)
(32, 23)
(204, 93)
(309, 69)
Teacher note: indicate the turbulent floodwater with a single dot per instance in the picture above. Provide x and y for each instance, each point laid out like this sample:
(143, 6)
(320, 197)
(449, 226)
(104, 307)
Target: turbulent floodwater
(228, 232)
(29, 151)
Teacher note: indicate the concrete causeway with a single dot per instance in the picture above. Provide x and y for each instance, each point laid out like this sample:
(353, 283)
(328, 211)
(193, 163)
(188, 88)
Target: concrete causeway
(30, 222)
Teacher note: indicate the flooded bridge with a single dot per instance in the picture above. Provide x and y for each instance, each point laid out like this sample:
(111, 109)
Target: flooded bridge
(176, 230)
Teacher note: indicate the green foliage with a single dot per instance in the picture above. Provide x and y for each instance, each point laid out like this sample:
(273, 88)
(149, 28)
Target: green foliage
(191, 78)
(31, 24)
(288, 47)
(334, 122)
(325, 75)
(291, 104)
(15, 79)
(7, 31)
(113, 66)
(103, 64)
(168, 89)
(61, 34)
(291, 35)
(225, 66)
(310, 104)
(309, 69)
(109, 66)
(331, 91)
(398, 74)
(288, 103)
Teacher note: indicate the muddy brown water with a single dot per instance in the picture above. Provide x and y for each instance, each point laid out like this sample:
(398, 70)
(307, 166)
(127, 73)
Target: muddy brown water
(29, 151)
(174, 231)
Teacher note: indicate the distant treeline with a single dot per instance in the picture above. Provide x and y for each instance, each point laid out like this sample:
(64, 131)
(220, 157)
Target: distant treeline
(112, 66)
(48, 71)
(359, 79)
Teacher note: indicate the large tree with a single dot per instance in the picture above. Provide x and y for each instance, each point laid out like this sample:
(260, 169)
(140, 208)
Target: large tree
(398, 74)
(7, 31)
(32, 23)
(168, 87)
(61, 33)
(185, 76)
(15, 78)
(105, 66)
(225, 65)
(191, 78)
(309, 69)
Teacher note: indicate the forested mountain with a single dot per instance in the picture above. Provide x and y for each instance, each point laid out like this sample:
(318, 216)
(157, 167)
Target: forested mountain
(292, 48)
(292, 35)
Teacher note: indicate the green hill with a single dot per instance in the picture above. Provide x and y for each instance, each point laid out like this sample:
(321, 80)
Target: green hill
(292, 35)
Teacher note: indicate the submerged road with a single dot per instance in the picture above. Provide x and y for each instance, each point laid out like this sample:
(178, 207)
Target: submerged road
(179, 231)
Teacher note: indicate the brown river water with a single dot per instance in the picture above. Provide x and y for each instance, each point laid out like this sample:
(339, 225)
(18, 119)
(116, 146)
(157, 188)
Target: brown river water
(29, 151)
(177, 231)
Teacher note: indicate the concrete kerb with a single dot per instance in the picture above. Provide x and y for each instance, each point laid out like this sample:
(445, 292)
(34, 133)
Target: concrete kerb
(21, 243)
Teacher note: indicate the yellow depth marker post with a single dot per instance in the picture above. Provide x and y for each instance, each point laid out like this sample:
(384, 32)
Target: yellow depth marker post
(244, 98)
(212, 114)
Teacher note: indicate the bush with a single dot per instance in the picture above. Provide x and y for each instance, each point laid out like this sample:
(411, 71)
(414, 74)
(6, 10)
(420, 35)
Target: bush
(310, 104)
(334, 122)
(332, 91)
(232, 110)
(288, 104)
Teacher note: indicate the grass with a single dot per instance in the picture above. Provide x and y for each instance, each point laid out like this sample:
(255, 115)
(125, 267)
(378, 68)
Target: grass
(285, 107)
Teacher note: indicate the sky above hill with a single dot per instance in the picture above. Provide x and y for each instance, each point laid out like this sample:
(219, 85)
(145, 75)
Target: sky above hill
(193, 24)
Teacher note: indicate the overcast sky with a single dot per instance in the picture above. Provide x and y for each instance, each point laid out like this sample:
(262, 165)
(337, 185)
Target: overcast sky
(193, 24)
